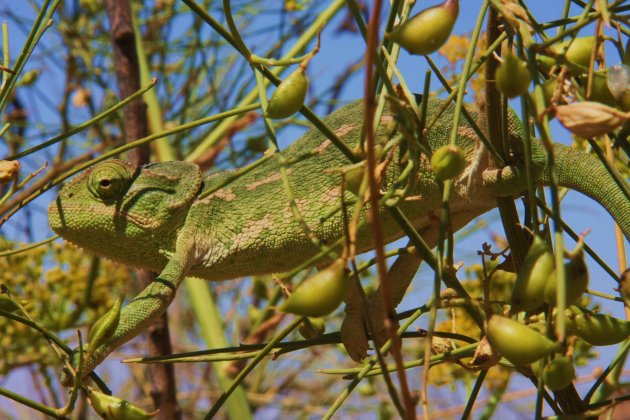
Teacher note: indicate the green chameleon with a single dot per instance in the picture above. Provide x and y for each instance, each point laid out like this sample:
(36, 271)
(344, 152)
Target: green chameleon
(157, 216)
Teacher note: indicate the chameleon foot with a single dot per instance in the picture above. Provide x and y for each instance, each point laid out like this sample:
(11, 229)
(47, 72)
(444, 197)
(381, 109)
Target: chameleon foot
(354, 328)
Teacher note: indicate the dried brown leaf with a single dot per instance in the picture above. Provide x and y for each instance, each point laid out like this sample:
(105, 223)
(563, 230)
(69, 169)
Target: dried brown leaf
(8, 170)
(590, 119)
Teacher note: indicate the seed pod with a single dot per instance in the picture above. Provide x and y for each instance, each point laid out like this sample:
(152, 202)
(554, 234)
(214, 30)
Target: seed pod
(518, 343)
(448, 162)
(529, 289)
(600, 90)
(105, 326)
(590, 119)
(289, 96)
(579, 52)
(512, 77)
(558, 373)
(427, 31)
(577, 56)
(321, 293)
(114, 408)
(601, 329)
(316, 328)
(576, 274)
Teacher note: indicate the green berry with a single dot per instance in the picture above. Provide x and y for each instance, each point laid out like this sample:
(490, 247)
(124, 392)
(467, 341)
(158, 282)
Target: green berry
(558, 373)
(512, 77)
(448, 162)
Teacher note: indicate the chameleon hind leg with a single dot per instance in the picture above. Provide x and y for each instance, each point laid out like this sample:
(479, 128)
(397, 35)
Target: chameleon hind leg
(354, 328)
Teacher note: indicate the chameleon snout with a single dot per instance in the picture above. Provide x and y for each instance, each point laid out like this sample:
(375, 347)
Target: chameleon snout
(55, 216)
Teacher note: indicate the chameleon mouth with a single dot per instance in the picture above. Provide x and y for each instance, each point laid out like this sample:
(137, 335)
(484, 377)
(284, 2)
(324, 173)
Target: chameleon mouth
(55, 217)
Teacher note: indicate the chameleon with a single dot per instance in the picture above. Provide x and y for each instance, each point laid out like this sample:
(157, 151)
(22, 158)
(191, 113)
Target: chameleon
(161, 217)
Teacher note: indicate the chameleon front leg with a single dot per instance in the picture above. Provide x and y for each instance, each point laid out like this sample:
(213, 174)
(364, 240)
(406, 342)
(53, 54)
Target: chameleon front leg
(354, 326)
(139, 313)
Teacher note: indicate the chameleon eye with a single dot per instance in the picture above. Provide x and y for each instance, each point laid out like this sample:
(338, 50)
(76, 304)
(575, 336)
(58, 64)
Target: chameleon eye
(109, 180)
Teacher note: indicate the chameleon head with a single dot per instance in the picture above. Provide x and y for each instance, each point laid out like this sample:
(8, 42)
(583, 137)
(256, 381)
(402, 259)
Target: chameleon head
(127, 213)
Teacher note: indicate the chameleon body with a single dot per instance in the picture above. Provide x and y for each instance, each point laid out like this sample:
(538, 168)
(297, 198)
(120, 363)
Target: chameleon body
(152, 217)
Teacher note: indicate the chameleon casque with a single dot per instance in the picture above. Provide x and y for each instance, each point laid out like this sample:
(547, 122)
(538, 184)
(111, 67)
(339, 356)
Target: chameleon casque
(151, 217)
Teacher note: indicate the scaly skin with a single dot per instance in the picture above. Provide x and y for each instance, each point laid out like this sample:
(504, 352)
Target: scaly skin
(151, 218)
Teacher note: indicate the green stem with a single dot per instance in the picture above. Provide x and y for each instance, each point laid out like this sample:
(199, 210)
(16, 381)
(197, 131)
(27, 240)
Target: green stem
(212, 329)
(473, 394)
(84, 125)
(37, 30)
(243, 373)
(52, 412)
(28, 247)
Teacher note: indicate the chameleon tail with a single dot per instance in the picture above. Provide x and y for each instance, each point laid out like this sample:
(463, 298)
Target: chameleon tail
(585, 173)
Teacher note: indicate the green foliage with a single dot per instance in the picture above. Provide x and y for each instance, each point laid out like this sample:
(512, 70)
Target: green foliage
(71, 294)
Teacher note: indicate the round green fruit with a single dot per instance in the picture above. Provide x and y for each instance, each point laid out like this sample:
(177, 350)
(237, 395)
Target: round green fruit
(558, 373)
(512, 77)
(448, 162)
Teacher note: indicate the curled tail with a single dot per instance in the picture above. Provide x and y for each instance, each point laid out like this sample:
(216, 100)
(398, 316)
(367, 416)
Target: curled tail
(585, 173)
